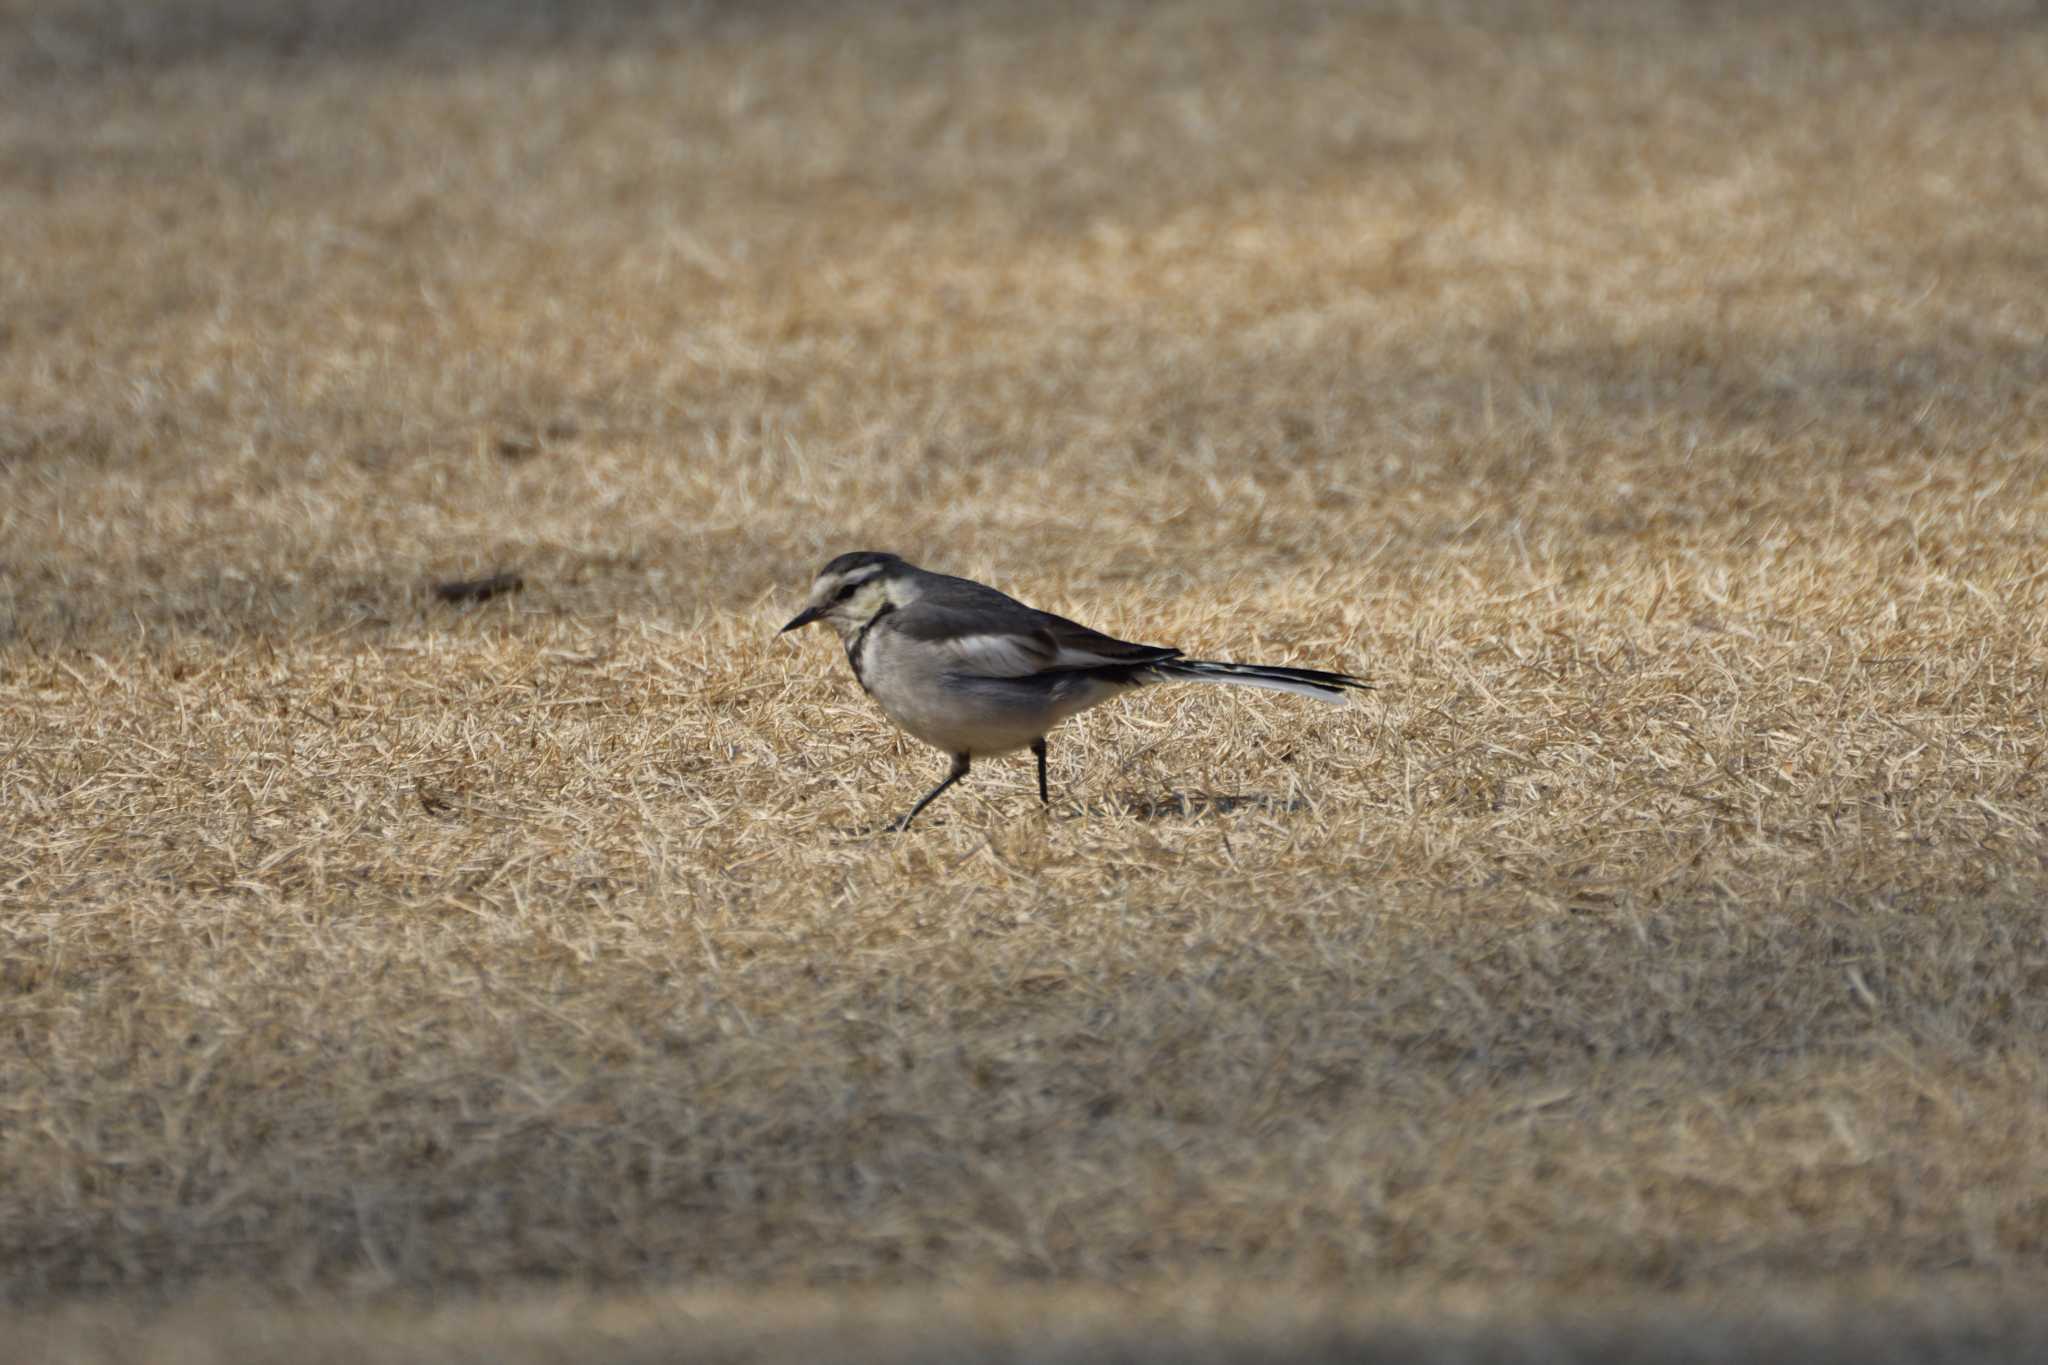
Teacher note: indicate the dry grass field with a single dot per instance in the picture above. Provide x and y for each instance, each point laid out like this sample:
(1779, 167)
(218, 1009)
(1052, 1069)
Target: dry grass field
(1651, 398)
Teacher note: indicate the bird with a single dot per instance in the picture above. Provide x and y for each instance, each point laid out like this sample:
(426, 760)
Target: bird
(976, 673)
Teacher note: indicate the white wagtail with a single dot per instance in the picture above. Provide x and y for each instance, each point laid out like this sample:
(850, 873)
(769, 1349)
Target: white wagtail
(975, 673)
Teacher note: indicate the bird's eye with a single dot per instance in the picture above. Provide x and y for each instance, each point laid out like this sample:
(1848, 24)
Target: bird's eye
(844, 592)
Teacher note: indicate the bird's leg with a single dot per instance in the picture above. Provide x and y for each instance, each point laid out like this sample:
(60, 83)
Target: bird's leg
(959, 771)
(1038, 747)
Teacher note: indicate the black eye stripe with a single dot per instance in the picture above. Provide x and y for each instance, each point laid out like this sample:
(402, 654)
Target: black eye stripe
(845, 592)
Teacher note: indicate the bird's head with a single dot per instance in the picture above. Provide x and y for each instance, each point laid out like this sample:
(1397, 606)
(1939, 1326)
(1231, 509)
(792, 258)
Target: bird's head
(853, 590)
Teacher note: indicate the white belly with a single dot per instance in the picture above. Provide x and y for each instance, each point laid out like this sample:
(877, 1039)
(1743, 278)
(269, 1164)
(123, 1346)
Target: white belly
(965, 714)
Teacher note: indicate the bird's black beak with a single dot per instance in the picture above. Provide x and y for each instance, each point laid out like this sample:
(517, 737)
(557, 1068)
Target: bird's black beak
(802, 618)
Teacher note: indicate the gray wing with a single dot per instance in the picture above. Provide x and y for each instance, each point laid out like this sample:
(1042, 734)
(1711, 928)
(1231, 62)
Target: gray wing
(994, 636)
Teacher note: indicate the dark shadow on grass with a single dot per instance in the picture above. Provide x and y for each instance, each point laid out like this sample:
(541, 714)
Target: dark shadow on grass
(105, 38)
(1049, 1326)
(73, 38)
(1147, 806)
(1194, 805)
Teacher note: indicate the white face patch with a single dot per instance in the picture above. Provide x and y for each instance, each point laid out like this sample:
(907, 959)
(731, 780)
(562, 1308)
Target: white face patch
(825, 592)
(867, 599)
(848, 601)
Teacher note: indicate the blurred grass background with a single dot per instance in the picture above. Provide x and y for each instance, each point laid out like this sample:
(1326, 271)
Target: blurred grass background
(1649, 397)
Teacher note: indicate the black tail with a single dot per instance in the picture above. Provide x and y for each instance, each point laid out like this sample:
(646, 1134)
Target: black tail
(1307, 682)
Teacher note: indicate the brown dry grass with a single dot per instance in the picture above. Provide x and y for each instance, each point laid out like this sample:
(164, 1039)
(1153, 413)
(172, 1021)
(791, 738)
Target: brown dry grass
(1651, 399)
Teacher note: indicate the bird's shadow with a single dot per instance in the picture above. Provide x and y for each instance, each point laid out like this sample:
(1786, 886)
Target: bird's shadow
(1172, 806)
(1186, 805)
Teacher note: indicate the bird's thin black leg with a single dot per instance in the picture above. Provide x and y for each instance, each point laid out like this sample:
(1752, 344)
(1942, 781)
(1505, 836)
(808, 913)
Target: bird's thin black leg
(959, 771)
(1038, 747)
